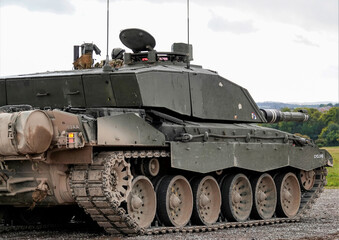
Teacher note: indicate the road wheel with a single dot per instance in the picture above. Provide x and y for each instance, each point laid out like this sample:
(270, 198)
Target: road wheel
(264, 197)
(236, 198)
(289, 195)
(175, 201)
(206, 200)
(141, 202)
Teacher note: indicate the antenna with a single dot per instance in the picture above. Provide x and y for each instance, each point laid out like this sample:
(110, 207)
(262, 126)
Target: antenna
(107, 67)
(188, 33)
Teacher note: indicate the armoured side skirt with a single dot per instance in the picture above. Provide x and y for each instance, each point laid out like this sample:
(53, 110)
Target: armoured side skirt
(196, 156)
(127, 129)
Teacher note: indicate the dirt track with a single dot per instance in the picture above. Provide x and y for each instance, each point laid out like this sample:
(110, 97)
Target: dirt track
(322, 222)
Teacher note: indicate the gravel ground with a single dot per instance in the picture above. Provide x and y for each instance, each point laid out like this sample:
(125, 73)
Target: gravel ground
(322, 222)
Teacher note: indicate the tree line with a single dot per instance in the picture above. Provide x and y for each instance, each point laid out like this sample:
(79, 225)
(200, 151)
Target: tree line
(322, 127)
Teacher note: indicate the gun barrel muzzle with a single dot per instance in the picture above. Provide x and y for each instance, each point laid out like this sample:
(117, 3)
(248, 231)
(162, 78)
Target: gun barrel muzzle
(274, 116)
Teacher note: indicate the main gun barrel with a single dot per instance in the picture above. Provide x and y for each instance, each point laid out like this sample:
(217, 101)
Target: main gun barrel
(274, 116)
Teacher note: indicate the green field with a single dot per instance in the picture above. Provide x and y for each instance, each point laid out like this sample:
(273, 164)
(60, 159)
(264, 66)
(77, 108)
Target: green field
(333, 172)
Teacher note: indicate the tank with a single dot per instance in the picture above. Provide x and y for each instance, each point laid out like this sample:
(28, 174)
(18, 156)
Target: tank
(151, 145)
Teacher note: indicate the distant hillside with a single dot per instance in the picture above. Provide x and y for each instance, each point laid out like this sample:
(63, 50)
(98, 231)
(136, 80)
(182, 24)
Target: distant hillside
(279, 105)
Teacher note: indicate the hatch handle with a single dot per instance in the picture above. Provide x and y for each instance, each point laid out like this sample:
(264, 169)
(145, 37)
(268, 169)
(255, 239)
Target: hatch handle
(73, 93)
(42, 94)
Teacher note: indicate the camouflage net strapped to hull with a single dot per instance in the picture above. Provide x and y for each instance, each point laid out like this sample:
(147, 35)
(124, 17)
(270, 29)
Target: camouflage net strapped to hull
(91, 192)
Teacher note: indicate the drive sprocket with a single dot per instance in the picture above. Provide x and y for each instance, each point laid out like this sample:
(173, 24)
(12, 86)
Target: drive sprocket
(117, 177)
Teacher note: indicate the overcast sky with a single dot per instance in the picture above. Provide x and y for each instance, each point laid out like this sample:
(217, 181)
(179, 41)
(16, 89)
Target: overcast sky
(280, 50)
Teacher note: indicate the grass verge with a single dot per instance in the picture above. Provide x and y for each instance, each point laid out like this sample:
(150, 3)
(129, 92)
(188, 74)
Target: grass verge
(333, 172)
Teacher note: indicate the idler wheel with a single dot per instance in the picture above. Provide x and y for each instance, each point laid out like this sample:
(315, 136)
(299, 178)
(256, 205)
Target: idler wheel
(175, 201)
(289, 195)
(236, 194)
(264, 197)
(117, 177)
(206, 200)
(141, 202)
(306, 179)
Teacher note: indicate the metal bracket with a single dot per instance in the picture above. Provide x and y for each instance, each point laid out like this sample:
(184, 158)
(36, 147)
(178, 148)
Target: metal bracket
(11, 131)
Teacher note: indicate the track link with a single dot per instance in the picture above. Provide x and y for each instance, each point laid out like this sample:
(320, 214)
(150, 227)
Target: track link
(88, 184)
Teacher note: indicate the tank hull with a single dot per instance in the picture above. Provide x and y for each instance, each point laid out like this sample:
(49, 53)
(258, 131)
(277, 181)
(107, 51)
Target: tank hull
(152, 144)
(186, 148)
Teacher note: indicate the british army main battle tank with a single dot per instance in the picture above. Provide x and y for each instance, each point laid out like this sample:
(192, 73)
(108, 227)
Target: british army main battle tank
(155, 145)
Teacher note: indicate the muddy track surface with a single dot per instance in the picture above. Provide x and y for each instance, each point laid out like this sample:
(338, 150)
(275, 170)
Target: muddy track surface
(322, 222)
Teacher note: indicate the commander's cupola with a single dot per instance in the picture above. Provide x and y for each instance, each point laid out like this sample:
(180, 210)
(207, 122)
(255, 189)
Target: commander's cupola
(142, 44)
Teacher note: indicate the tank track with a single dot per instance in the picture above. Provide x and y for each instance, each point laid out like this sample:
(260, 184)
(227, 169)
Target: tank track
(91, 194)
(46, 227)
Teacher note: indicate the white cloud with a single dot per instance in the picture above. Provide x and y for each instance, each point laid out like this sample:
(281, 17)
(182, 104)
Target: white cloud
(303, 40)
(59, 6)
(310, 14)
(275, 60)
(217, 23)
(315, 15)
